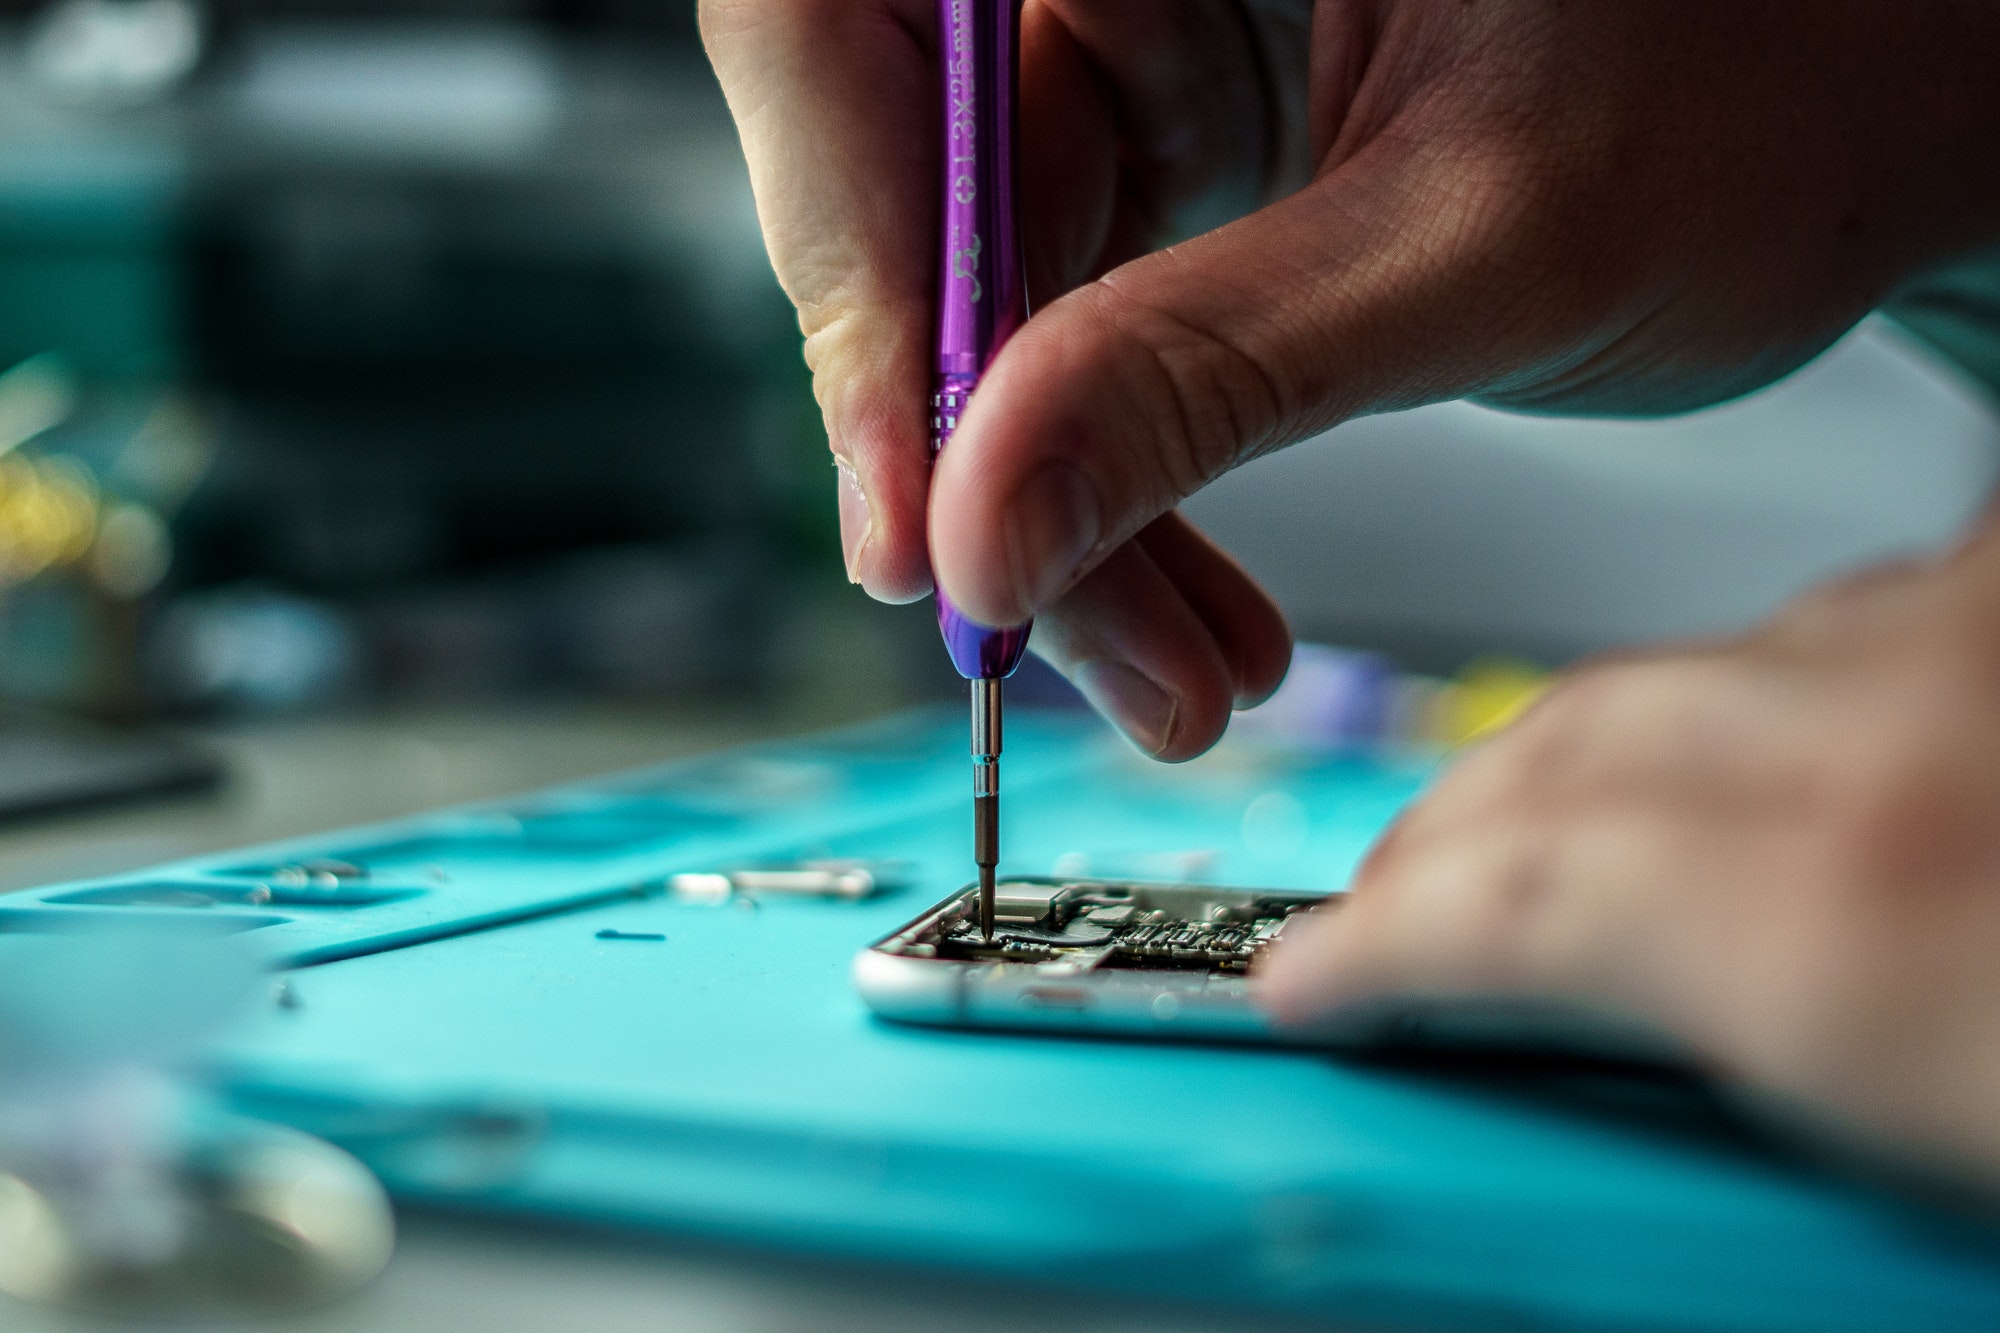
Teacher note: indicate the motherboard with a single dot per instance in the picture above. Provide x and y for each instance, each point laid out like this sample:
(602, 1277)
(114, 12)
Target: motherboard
(1086, 925)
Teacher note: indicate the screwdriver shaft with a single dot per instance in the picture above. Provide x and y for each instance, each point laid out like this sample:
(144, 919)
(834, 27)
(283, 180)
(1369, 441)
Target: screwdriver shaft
(986, 793)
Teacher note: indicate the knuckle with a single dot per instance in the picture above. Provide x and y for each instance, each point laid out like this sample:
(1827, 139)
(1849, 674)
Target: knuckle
(1522, 882)
(1513, 901)
(1487, 886)
(1633, 732)
(1209, 399)
(1910, 808)
(1605, 698)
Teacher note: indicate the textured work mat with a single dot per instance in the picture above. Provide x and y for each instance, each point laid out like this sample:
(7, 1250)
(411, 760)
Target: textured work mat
(706, 1069)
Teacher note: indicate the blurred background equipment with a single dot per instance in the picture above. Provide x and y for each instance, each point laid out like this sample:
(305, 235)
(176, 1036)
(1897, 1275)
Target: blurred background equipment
(417, 353)
(413, 351)
(1351, 700)
(52, 765)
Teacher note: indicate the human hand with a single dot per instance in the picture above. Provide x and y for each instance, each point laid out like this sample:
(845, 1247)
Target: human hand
(1783, 849)
(1632, 207)
(1132, 114)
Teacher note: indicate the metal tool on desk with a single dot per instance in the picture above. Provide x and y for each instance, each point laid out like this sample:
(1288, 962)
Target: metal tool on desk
(981, 301)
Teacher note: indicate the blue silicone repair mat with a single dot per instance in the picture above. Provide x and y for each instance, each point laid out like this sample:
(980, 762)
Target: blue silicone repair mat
(470, 1034)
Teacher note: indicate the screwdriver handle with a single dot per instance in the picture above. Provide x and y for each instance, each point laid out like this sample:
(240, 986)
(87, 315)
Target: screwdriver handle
(982, 298)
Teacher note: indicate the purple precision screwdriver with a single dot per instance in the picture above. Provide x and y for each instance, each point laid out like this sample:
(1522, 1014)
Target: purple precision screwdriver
(981, 301)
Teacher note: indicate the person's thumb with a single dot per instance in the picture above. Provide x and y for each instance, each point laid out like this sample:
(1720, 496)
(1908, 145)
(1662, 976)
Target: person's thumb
(1124, 397)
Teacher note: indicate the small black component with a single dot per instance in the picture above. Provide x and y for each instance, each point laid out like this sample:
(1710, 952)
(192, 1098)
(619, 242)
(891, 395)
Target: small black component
(631, 935)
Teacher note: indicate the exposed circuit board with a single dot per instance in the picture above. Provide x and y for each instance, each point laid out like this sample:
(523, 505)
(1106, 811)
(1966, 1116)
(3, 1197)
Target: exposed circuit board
(1092, 925)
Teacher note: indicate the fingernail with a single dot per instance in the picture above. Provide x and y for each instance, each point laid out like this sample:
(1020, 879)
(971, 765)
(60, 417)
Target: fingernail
(1053, 526)
(854, 520)
(1141, 709)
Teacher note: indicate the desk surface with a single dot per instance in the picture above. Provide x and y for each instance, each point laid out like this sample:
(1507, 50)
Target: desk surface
(727, 1084)
(455, 1275)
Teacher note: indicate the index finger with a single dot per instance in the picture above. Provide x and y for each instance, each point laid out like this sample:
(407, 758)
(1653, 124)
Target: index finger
(836, 104)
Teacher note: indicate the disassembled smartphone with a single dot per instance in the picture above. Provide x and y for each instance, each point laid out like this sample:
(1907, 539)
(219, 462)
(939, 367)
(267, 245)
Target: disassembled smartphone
(1127, 958)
